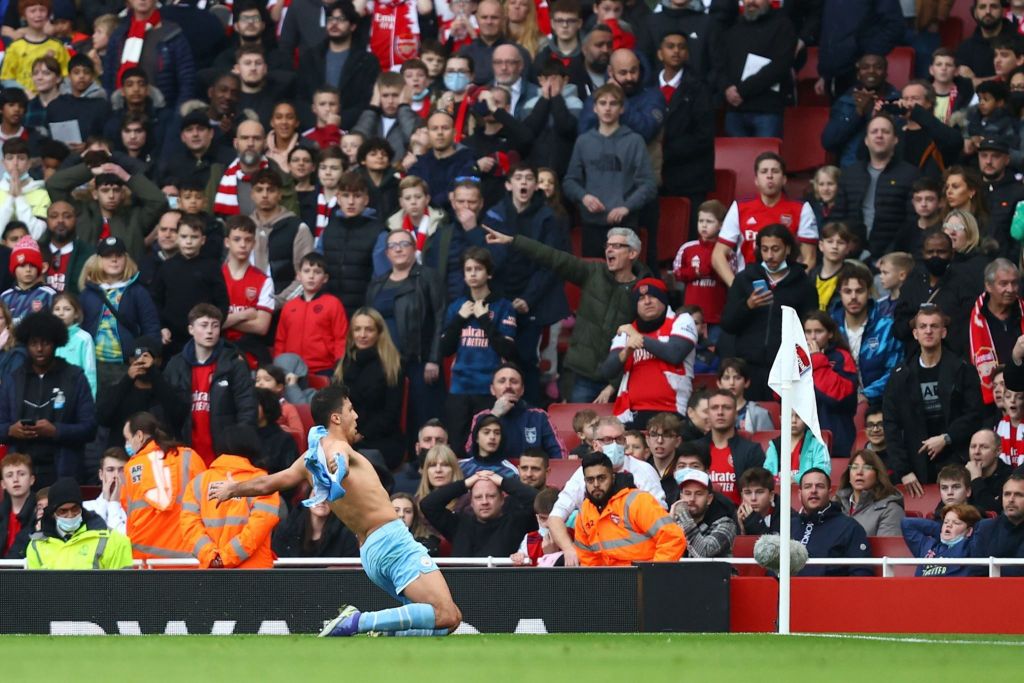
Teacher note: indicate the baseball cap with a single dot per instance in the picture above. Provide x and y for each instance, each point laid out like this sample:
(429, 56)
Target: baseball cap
(689, 474)
(994, 145)
(110, 246)
(146, 344)
(196, 117)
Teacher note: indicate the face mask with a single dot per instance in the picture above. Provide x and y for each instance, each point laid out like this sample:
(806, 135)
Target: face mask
(129, 448)
(936, 266)
(954, 541)
(616, 452)
(456, 82)
(68, 525)
(420, 96)
(776, 270)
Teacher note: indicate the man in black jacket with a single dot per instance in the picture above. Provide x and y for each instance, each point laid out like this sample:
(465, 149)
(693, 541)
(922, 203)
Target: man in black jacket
(975, 53)
(731, 454)
(825, 531)
(690, 18)
(17, 502)
(925, 141)
(349, 241)
(1004, 192)
(875, 195)
(763, 38)
(988, 472)
(932, 406)
(339, 62)
(211, 382)
(688, 152)
(142, 389)
(492, 528)
(1004, 535)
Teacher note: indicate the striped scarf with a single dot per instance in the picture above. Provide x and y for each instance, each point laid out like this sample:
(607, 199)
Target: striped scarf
(226, 201)
(131, 53)
(324, 207)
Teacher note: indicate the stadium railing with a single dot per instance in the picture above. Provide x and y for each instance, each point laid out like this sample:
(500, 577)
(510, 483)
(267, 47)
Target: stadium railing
(285, 562)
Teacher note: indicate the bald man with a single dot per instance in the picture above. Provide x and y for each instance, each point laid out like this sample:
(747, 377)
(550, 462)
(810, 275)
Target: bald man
(644, 111)
(230, 190)
(490, 19)
(988, 471)
(509, 66)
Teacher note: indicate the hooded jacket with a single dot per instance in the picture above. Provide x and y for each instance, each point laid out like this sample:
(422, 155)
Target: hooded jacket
(878, 517)
(136, 313)
(471, 537)
(880, 350)
(830, 533)
(615, 168)
(347, 244)
(92, 546)
(524, 427)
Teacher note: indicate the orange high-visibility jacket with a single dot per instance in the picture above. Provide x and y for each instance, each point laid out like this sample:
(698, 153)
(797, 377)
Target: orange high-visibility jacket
(632, 527)
(238, 531)
(154, 483)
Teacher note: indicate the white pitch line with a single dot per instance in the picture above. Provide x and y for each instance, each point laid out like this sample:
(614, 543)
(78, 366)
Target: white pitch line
(893, 639)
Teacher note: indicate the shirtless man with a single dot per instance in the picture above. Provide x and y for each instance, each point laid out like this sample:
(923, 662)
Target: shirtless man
(391, 558)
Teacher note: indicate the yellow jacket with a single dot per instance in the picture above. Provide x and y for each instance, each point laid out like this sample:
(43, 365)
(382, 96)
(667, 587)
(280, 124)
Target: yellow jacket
(86, 549)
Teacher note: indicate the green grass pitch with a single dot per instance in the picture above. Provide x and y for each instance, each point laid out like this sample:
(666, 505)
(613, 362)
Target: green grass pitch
(583, 658)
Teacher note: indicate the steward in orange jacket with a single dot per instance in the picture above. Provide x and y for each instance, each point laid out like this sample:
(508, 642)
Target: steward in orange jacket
(236, 533)
(626, 524)
(154, 483)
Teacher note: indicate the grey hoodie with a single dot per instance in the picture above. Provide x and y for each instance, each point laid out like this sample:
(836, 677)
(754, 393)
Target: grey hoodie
(615, 168)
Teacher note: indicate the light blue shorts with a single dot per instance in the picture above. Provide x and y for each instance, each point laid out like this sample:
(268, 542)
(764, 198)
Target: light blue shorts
(393, 559)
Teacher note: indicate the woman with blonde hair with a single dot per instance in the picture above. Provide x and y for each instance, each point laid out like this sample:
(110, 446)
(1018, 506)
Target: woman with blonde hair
(521, 25)
(440, 467)
(116, 309)
(372, 370)
(866, 494)
(963, 229)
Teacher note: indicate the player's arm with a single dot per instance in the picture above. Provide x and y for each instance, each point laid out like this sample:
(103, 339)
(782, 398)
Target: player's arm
(259, 486)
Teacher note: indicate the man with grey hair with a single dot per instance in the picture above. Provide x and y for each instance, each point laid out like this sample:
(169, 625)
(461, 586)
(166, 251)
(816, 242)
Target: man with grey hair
(508, 63)
(610, 439)
(605, 303)
(996, 322)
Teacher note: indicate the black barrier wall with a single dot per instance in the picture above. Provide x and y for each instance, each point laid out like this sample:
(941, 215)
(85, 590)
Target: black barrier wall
(280, 601)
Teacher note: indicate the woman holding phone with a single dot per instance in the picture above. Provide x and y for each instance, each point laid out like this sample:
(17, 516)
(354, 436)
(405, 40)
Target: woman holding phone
(752, 312)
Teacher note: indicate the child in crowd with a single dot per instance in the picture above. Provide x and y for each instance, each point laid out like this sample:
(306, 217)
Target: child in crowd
(326, 107)
(893, 270)
(925, 194)
(80, 349)
(192, 201)
(434, 54)
(302, 168)
(990, 117)
(835, 380)
(692, 267)
(250, 292)
(14, 231)
(538, 547)
(17, 505)
(706, 360)
(807, 451)
(1010, 428)
(34, 43)
(417, 80)
(954, 487)
(415, 217)
(755, 515)
(22, 197)
(273, 379)
(28, 294)
(834, 244)
(480, 330)
(583, 423)
(824, 189)
(350, 144)
(609, 13)
(950, 536)
(329, 171)
(313, 325)
(734, 377)
(636, 445)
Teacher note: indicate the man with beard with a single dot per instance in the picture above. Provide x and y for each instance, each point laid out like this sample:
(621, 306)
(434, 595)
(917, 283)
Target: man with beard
(234, 188)
(762, 36)
(588, 71)
(707, 522)
(825, 531)
(644, 108)
(1004, 535)
(618, 524)
(261, 88)
(1004, 192)
(508, 72)
(522, 427)
(65, 255)
(340, 62)
(848, 119)
(975, 53)
(250, 28)
(655, 353)
(996, 322)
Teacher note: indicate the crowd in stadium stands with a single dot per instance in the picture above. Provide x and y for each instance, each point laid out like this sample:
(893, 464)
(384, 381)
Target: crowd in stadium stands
(544, 245)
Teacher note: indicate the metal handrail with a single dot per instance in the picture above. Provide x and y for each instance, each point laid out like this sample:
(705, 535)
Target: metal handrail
(286, 562)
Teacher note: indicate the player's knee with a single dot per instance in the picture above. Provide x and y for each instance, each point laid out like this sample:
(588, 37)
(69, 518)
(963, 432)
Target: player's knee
(447, 616)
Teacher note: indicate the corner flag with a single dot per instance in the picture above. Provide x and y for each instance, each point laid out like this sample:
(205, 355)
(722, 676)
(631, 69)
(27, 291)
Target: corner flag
(791, 372)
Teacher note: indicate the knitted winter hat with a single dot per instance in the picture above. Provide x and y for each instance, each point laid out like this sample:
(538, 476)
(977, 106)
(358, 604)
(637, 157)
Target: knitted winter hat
(26, 251)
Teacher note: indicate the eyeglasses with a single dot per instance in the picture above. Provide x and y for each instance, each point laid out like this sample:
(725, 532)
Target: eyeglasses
(660, 436)
(617, 245)
(873, 426)
(399, 246)
(612, 439)
(252, 20)
(861, 468)
(337, 20)
(566, 22)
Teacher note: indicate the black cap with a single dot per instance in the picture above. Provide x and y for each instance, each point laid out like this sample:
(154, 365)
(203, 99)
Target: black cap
(110, 246)
(62, 492)
(196, 117)
(994, 145)
(146, 344)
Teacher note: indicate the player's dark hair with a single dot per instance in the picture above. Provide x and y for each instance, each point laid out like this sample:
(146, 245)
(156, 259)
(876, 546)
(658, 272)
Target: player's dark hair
(330, 399)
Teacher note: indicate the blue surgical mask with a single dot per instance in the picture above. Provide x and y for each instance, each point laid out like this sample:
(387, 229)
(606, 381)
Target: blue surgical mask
(616, 452)
(954, 541)
(420, 96)
(456, 82)
(774, 271)
(68, 525)
(129, 448)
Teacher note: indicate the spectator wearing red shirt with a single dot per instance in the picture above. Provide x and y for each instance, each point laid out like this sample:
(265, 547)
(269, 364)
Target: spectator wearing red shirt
(692, 265)
(212, 384)
(731, 454)
(313, 325)
(18, 501)
(747, 218)
(250, 292)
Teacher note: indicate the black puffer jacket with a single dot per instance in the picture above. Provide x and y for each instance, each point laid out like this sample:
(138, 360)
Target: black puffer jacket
(893, 205)
(689, 151)
(419, 313)
(348, 247)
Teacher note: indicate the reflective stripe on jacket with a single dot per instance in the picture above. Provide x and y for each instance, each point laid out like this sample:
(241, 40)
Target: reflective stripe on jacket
(152, 499)
(238, 531)
(632, 527)
(86, 549)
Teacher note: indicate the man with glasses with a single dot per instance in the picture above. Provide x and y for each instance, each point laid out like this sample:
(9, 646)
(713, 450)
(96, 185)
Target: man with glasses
(490, 20)
(508, 66)
(609, 439)
(250, 24)
(731, 454)
(564, 44)
(874, 432)
(932, 406)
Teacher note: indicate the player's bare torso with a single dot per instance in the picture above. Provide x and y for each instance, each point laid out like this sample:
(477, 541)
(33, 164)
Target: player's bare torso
(365, 506)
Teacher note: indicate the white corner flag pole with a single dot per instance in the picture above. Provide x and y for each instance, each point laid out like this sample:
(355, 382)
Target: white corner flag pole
(790, 377)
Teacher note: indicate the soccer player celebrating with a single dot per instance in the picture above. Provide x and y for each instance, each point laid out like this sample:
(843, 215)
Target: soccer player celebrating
(391, 557)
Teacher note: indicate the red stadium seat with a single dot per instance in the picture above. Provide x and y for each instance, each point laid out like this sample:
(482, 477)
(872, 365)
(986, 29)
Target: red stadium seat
(860, 442)
(91, 492)
(963, 10)
(925, 505)
(762, 439)
(826, 436)
(774, 409)
(839, 466)
(673, 226)
(316, 381)
(725, 186)
(891, 546)
(901, 66)
(801, 148)
(708, 380)
(305, 416)
(561, 470)
(738, 154)
(743, 546)
(951, 32)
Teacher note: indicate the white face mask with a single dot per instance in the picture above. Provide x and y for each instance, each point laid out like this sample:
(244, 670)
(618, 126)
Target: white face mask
(616, 452)
(68, 525)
